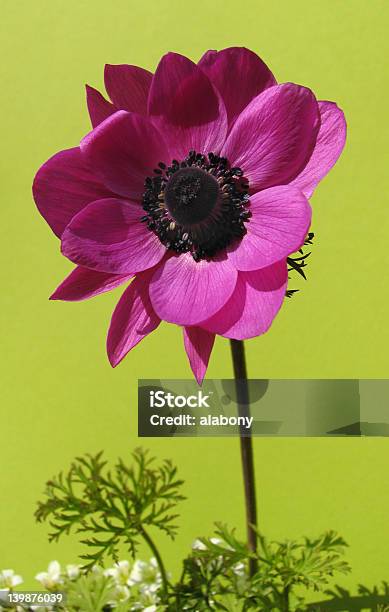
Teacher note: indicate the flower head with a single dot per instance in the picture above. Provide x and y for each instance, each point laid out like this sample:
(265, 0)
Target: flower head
(198, 545)
(147, 576)
(9, 580)
(120, 572)
(52, 579)
(194, 182)
(73, 571)
(139, 582)
(122, 592)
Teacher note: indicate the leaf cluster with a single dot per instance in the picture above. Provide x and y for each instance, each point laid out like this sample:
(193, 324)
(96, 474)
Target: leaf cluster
(286, 566)
(111, 507)
(216, 576)
(209, 572)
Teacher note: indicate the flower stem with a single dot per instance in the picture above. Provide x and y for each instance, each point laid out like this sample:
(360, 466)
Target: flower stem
(246, 448)
(286, 599)
(154, 550)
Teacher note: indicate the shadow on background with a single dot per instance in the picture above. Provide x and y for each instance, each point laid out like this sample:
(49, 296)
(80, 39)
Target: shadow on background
(375, 600)
(332, 407)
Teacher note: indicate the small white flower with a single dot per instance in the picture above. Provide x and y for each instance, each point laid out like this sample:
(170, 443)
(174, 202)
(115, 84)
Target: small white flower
(221, 543)
(120, 572)
(148, 601)
(52, 578)
(72, 571)
(122, 593)
(150, 609)
(9, 580)
(136, 575)
(239, 569)
(148, 589)
(146, 576)
(198, 545)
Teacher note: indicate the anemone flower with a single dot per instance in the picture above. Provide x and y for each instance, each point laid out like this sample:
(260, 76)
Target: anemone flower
(194, 183)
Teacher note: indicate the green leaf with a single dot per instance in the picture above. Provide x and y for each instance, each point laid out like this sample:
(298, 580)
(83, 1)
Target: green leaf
(111, 506)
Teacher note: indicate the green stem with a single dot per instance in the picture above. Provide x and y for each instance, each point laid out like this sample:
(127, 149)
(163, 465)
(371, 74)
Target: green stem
(154, 549)
(246, 448)
(286, 599)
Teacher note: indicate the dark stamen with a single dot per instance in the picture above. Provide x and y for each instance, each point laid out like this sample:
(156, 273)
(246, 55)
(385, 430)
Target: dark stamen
(198, 205)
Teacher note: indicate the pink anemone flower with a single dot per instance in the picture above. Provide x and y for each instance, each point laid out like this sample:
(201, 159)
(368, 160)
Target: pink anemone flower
(194, 182)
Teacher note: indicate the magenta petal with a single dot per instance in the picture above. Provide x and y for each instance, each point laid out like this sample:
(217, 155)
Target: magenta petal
(186, 106)
(252, 307)
(280, 220)
(124, 150)
(63, 186)
(132, 320)
(239, 75)
(83, 283)
(274, 136)
(329, 145)
(198, 345)
(128, 87)
(108, 236)
(185, 292)
(98, 107)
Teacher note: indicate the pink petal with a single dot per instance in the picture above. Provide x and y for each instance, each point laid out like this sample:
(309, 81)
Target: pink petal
(239, 75)
(128, 87)
(280, 220)
(187, 107)
(185, 292)
(329, 145)
(83, 283)
(198, 345)
(98, 107)
(254, 304)
(132, 320)
(274, 136)
(108, 236)
(63, 186)
(124, 150)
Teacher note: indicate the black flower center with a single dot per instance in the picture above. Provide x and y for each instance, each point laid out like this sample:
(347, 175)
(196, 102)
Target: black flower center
(191, 195)
(199, 205)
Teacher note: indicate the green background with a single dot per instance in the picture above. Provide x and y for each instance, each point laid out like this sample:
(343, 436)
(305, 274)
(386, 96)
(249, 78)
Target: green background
(59, 395)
